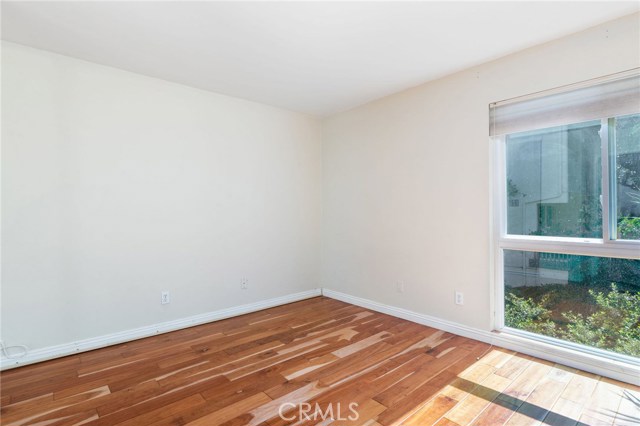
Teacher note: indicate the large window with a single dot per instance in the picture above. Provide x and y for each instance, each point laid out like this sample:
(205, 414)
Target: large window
(568, 216)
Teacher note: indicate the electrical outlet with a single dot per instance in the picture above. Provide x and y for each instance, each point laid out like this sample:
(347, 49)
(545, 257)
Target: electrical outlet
(165, 298)
(244, 284)
(459, 298)
(400, 287)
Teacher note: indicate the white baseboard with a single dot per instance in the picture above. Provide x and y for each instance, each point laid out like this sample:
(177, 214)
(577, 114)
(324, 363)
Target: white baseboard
(577, 359)
(65, 349)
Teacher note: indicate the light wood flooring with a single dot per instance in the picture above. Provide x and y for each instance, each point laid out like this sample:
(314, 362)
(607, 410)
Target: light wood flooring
(318, 356)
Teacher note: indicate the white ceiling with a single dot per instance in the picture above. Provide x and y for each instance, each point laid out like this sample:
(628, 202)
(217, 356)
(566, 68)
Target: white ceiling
(315, 57)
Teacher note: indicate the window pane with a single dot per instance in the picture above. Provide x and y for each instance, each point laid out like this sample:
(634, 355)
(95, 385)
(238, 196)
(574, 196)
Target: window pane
(554, 181)
(589, 300)
(627, 140)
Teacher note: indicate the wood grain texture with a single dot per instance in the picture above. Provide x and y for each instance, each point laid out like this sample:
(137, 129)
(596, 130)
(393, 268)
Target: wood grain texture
(320, 355)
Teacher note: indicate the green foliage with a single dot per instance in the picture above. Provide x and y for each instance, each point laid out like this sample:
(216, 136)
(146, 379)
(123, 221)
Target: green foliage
(614, 325)
(629, 228)
(525, 314)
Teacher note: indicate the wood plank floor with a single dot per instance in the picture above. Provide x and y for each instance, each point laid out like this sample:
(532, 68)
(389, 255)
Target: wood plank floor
(315, 356)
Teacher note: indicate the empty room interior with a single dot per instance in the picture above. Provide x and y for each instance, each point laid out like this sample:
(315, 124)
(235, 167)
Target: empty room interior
(305, 213)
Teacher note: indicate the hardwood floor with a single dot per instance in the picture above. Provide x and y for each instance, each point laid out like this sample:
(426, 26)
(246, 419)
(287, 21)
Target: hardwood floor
(315, 356)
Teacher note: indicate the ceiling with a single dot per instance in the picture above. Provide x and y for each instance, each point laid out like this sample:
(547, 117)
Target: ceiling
(316, 57)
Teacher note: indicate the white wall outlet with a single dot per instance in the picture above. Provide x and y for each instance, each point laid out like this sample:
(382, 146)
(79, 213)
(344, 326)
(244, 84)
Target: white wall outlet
(244, 284)
(400, 287)
(165, 298)
(459, 298)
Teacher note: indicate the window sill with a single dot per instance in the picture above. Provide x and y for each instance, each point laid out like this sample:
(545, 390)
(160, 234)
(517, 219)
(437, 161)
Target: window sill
(598, 361)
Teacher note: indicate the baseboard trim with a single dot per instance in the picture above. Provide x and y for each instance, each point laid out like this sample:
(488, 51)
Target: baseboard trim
(576, 359)
(65, 349)
(583, 361)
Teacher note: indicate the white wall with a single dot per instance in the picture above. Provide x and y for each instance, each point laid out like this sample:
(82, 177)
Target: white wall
(117, 186)
(406, 179)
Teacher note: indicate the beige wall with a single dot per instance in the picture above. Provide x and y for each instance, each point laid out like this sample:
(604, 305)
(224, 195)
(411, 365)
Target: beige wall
(406, 179)
(117, 186)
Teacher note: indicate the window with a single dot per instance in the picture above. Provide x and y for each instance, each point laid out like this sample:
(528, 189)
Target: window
(555, 174)
(568, 216)
(626, 169)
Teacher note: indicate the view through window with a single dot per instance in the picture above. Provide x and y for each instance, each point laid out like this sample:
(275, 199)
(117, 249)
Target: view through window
(569, 245)
(554, 188)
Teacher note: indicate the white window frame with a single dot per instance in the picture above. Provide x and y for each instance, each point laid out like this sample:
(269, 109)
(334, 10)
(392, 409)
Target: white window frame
(602, 247)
